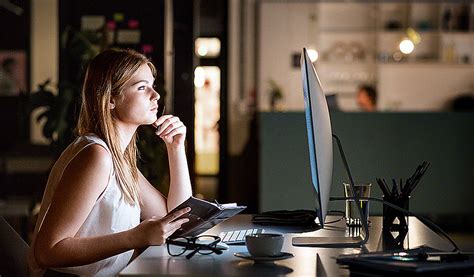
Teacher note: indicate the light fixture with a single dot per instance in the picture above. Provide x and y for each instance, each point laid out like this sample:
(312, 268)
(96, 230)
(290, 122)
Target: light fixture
(313, 55)
(406, 46)
(202, 50)
(199, 77)
(207, 47)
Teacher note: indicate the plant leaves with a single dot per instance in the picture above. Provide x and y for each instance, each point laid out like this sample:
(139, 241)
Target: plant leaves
(49, 128)
(46, 113)
(41, 99)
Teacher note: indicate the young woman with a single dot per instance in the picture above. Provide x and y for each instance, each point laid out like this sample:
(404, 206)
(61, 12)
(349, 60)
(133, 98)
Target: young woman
(97, 207)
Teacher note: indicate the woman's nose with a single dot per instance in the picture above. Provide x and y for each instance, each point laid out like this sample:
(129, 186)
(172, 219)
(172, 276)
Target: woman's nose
(156, 95)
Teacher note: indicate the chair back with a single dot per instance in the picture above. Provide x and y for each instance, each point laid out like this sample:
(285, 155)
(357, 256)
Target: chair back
(13, 251)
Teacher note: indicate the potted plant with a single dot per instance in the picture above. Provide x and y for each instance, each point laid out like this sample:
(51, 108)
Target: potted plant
(276, 95)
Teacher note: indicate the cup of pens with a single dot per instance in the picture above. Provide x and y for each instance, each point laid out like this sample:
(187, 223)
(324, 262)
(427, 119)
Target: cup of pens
(398, 193)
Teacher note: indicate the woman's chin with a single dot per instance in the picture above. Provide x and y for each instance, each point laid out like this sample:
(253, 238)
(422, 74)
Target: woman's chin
(147, 122)
(151, 120)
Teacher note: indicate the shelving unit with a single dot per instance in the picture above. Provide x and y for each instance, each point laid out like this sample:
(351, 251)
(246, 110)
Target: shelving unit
(356, 41)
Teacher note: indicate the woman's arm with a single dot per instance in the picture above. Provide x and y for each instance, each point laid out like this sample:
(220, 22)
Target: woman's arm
(153, 203)
(180, 182)
(83, 181)
(173, 133)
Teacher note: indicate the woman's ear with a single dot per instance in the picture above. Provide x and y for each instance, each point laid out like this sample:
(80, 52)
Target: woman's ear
(111, 105)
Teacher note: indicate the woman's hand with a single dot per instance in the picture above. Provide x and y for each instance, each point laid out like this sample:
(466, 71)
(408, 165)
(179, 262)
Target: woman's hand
(171, 130)
(155, 231)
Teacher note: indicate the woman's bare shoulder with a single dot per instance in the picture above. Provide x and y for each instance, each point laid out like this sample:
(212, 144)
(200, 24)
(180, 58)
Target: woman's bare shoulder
(94, 154)
(93, 164)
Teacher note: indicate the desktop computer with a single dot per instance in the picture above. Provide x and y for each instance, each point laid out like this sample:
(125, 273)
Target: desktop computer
(320, 142)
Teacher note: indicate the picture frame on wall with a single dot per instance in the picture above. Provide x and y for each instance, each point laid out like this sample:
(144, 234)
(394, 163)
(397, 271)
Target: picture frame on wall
(13, 72)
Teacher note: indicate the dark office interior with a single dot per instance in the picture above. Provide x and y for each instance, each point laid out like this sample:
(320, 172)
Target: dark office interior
(231, 71)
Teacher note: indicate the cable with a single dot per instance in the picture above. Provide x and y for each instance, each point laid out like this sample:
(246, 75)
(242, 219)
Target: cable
(356, 198)
(337, 220)
(422, 219)
(332, 212)
(365, 224)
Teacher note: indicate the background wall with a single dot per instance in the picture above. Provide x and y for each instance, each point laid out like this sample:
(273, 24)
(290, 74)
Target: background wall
(422, 87)
(387, 145)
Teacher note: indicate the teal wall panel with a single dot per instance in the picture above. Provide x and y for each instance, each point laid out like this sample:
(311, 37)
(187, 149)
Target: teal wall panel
(388, 145)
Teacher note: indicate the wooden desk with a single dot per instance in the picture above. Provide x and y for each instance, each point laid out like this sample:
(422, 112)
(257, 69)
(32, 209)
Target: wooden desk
(156, 261)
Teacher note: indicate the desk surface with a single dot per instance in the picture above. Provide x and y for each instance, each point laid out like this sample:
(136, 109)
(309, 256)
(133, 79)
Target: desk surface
(156, 261)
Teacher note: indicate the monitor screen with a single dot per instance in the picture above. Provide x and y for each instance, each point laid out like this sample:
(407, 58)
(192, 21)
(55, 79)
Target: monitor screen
(318, 126)
(320, 138)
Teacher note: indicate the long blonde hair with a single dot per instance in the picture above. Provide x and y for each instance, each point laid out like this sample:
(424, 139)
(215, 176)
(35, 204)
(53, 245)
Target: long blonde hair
(105, 80)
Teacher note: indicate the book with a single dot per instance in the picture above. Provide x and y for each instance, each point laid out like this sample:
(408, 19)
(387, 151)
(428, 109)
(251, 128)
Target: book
(203, 216)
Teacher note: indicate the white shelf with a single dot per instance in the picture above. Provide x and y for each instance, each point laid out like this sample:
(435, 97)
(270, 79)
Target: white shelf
(438, 47)
(347, 31)
(344, 63)
(461, 34)
(426, 64)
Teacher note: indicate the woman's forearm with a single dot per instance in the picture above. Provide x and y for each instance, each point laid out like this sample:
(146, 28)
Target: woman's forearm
(180, 183)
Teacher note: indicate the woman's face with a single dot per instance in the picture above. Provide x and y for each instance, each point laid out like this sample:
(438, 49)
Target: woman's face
(138, 103)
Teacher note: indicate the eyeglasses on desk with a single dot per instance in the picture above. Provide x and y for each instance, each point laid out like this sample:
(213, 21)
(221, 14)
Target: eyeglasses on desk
(204, 245)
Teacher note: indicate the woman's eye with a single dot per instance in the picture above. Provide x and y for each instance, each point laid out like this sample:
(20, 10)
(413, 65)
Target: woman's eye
(141, 87)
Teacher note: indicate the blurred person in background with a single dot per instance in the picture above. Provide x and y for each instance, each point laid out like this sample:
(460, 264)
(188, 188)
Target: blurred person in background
(367, 98)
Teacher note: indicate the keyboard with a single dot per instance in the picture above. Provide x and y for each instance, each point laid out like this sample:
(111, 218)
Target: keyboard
(238, 236)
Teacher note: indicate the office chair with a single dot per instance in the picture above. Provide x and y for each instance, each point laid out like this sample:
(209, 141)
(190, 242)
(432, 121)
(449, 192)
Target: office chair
(14, 252)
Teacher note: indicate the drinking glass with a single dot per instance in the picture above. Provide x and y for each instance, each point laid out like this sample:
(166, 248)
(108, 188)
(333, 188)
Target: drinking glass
(353, 218)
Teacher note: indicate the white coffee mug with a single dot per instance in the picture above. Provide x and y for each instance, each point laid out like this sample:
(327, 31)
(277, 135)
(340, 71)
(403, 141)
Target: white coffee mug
(264, 245)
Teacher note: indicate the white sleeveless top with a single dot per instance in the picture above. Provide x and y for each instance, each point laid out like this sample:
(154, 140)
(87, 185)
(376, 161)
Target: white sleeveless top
(110, 214)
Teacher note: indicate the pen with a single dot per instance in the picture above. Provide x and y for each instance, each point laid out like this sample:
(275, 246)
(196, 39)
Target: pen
(406, 187)
(394, 188)
(400, 186)
(386, 188)
(421, 173)
(382, 187)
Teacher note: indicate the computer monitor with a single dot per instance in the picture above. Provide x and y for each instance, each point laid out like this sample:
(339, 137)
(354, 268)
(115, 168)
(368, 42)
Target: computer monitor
(318, 126)
(319, 133)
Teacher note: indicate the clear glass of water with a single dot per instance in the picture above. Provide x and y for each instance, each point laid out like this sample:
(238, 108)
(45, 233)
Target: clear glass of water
(353, 218)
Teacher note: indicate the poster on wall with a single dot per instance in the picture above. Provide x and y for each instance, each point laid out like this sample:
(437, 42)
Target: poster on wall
(12, 72)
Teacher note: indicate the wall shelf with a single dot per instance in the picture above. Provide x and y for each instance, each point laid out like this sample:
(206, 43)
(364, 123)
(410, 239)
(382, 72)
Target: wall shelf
(358, 42)
(365, 55)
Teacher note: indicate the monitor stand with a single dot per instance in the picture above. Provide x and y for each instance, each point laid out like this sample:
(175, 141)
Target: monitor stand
(338, 242)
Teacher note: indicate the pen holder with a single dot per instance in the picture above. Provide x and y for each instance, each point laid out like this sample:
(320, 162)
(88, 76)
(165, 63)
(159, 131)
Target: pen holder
(393, 240)
(394, 220)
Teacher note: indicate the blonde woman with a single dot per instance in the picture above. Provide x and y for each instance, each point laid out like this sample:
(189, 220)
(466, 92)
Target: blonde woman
(98, 208)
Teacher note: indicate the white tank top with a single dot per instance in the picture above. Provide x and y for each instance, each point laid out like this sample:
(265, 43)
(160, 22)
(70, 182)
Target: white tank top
(110, 214)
